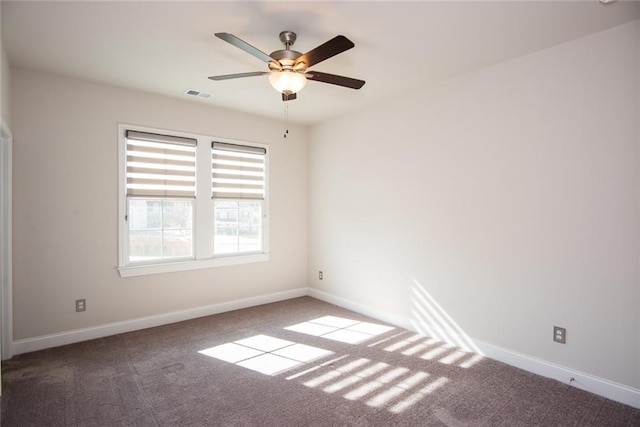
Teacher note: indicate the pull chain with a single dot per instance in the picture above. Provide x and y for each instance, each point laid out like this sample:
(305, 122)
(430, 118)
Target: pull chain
(286, 119)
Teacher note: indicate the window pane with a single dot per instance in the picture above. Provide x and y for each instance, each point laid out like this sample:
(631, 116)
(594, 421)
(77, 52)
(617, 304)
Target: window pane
(225, 240)
(250, 214)
(145, 245)
(177, 243)
(177, 214)
(237, 227)
(160, 229)
(250, 239)
(145, 214)
(226, 212)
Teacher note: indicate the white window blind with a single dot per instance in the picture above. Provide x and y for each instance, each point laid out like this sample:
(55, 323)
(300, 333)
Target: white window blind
(238, 171)
(160, 165)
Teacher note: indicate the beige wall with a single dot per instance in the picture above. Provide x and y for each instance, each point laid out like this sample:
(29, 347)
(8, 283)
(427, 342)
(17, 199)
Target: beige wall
(638, 121)
(5, 78)
(65, 206)
(510, 196)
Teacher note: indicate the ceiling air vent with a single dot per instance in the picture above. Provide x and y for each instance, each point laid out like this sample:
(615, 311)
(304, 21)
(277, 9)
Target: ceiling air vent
(192, 92)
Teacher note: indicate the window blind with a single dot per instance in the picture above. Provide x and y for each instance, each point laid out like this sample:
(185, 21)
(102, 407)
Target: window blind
(238, 171)
(160, 165)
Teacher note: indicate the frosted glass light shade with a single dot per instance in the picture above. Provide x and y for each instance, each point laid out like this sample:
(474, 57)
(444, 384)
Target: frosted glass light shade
(287, 82)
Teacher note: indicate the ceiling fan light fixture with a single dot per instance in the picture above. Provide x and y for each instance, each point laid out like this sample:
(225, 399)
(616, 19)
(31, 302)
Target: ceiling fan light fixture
(287, 81)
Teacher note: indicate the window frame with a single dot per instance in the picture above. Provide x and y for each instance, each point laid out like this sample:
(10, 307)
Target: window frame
(203, 217)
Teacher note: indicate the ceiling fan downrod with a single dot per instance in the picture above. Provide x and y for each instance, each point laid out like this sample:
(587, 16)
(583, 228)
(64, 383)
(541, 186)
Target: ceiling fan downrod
(287, 56)
(288, 38)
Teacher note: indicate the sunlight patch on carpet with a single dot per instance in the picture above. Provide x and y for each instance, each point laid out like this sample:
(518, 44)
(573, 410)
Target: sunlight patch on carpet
(376, 384)
(265, 354)
(417, 345)
(340, 329)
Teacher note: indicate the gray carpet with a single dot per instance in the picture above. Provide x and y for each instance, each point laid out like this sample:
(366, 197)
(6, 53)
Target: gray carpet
(301, 362)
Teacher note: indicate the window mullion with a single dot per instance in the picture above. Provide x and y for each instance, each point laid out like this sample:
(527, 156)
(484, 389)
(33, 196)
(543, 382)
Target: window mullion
(203, 221)
(162, 229)
(238, 226)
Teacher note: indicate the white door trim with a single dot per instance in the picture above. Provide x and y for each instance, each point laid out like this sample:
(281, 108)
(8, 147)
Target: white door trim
(6, 315)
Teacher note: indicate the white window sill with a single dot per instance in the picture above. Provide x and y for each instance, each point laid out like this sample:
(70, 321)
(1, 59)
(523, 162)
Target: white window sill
(141, 270)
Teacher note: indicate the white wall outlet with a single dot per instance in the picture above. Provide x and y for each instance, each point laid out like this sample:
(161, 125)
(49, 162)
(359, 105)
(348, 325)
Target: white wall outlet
(559, 334)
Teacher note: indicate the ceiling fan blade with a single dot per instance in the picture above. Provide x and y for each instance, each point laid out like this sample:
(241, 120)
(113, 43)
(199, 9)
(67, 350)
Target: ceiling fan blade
(335, 80)
(241, 44)
(289, 97)
(239, 75)
(336, 45)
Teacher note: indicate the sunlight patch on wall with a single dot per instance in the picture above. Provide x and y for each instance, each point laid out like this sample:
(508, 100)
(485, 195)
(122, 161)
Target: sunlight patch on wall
(432, 320)
(340, 329)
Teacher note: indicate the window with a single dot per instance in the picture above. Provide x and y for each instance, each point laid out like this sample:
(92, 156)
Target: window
(161, 188)
(188, 202)
(237, 184)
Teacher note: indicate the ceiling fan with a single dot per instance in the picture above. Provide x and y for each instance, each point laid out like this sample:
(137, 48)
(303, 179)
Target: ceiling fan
(289, 69)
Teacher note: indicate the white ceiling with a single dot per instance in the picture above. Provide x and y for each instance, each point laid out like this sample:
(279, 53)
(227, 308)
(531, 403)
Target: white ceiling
(168, 47)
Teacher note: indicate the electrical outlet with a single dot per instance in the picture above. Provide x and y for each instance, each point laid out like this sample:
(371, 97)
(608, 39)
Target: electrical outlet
(559, 334)
(81, 305)
(320, 275)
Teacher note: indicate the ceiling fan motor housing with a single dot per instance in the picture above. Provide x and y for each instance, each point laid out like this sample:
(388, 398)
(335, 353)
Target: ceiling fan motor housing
(286, 57)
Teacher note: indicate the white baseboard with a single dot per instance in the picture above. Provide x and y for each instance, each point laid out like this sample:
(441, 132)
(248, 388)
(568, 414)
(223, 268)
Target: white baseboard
(600, 386)
(609, 389)
(383, 316)
(78, 335)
